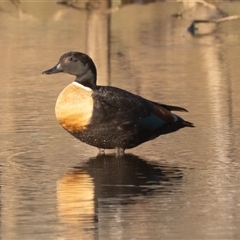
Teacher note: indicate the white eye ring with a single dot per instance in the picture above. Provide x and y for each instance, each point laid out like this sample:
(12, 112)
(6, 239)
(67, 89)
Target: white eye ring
(70, 59)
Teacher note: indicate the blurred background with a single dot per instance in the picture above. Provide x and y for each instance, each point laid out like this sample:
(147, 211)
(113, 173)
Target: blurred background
(183, 185)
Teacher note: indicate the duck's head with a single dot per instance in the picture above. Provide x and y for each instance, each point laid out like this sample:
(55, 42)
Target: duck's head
(78, 64)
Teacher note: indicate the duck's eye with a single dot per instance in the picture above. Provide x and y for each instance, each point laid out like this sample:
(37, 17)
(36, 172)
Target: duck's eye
(70, 59)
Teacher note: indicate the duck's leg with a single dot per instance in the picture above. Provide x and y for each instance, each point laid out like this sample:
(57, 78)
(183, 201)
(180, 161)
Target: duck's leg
(101, 151)
(120, 151)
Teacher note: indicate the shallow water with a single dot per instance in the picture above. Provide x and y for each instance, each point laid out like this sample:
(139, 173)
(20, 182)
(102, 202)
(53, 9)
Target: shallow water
(183, 185)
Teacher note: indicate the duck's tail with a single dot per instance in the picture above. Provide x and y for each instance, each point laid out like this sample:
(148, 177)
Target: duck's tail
(187, 124)
(173, 127)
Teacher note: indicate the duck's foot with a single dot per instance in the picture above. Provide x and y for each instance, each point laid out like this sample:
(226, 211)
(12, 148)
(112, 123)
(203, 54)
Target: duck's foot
(120, 152)
(101, 151)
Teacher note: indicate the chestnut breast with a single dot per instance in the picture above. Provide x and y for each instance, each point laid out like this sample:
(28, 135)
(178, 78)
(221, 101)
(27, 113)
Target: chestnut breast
(74, 107)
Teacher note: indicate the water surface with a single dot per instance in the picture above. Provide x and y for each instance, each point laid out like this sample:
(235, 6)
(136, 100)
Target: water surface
(180, 186)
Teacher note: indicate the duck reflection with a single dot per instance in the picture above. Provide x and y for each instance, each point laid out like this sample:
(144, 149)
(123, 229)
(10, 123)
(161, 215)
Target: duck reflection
(106, 180)
(127, 176)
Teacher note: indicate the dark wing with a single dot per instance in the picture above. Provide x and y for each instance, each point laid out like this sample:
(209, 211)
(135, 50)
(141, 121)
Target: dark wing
(114, 104)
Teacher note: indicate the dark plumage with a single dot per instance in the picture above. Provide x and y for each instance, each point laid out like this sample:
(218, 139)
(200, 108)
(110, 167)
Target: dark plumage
(108, 117)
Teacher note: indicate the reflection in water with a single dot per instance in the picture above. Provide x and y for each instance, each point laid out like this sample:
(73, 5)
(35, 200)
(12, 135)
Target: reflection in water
(108, 198)
(128, 175)
(219, 87)
(98, 4)
(98, 35)
(107, 182)
(76, 210)
(98, 26)
(75, 191)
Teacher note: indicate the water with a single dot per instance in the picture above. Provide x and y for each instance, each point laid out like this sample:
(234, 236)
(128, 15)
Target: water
(180, 186)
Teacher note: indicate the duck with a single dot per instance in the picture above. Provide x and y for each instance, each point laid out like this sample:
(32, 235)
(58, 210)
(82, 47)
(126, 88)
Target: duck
(108, 117)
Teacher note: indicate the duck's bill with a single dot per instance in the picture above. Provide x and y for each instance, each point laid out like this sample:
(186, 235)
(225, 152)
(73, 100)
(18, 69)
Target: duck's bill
(55, 69)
